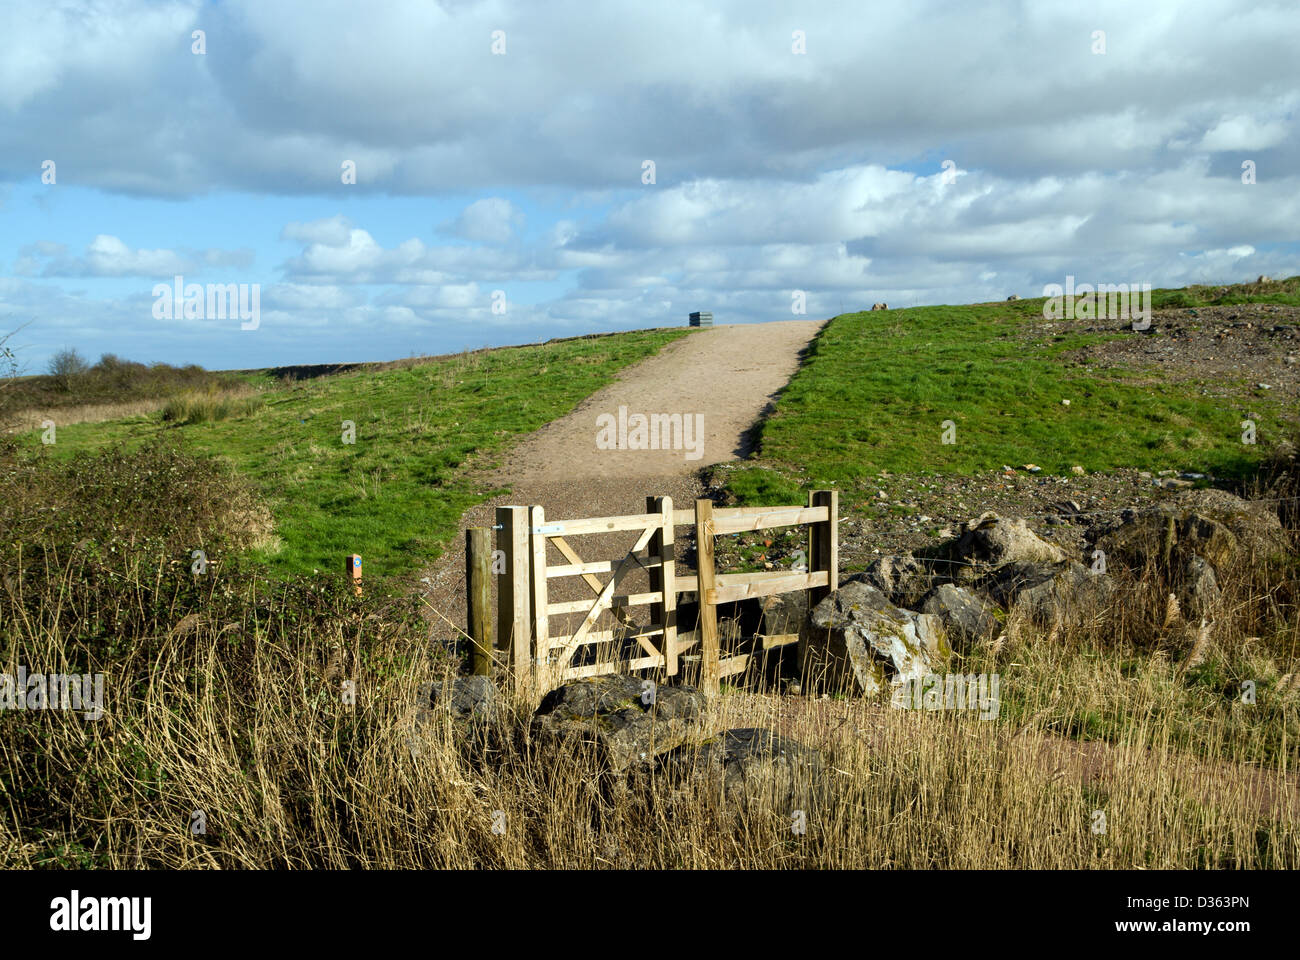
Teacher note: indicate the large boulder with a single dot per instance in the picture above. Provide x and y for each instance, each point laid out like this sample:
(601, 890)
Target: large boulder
(618, 720)
(1217, 526)
(965, 615)
(996, 540)
(1048, 593)
(748, 767)
(858, 635)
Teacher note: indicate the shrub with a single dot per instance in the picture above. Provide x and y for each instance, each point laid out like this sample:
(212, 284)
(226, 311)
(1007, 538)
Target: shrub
(66, 365)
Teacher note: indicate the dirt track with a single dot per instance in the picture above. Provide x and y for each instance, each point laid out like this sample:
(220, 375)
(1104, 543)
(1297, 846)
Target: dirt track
(727, 375)
(723, 378)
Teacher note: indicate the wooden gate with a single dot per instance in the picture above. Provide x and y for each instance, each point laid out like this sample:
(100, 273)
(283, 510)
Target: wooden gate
(541, 657)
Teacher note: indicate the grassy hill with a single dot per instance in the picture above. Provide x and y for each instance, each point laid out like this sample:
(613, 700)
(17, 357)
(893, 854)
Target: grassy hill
(396, 494)
(878, 388)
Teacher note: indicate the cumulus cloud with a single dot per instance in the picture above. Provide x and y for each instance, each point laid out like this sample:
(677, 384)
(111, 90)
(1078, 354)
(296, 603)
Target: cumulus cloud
(490, 220)
(105, 256)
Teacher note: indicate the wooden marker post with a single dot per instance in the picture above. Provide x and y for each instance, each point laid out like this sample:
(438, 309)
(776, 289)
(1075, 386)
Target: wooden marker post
(354, 571)
(478, 575)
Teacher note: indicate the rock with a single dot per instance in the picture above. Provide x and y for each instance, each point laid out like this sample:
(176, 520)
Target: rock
(966, 617)
(622, 720)
(1215, 525)
(1077, 470)
(466, 698)
(750, 767)
(903, 579)
(1199, 589)
(860, 638)
(880, 306)
(996, 540)
(1048, 593)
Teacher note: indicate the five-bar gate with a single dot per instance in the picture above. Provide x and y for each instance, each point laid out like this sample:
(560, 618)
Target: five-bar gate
(542, 655)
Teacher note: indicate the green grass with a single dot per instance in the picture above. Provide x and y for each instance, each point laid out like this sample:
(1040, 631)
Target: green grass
(396, 495)
(877, 388)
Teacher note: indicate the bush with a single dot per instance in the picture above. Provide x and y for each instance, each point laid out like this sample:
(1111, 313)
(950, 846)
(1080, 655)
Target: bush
(66, 365)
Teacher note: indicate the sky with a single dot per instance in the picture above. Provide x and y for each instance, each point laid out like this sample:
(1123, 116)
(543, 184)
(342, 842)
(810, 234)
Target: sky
(412, 177)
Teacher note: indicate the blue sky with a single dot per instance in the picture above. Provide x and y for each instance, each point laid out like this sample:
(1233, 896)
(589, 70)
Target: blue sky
(796, 148)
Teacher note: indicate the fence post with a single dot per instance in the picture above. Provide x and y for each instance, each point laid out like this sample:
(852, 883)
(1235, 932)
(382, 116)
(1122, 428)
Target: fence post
(709, 679)
(824, 544)
(478, 575)
(663, 579)
(823, 555)
(514, 631)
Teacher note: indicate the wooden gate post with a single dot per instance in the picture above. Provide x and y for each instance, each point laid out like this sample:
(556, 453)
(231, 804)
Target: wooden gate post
(541, 620)
(478, 609)
(663, 580)
(514, 629)
(709, 679)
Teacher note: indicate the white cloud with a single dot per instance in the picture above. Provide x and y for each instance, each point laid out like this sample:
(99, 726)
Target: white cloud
(1244, 133)
(490, 220)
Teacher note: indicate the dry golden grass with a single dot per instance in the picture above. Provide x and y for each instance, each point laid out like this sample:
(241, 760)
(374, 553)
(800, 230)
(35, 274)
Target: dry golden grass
(23, 420)
(254, 731)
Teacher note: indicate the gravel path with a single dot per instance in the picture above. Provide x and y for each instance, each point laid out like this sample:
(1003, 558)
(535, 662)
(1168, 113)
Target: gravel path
(721, 379)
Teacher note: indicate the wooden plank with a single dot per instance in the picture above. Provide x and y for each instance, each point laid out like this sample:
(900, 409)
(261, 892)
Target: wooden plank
(541, 623)
(733, 665)
(618, 633)
(729, 590)
(740, 519)
(771, 641)
(575, 528)
(478, 601)
(626, 600)
(599, 566)
(514, 629)
(594, 669)
(664, 579)
(615, 603)
(708, 613)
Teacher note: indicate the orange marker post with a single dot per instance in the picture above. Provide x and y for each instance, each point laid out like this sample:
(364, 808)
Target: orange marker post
(354, 571)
